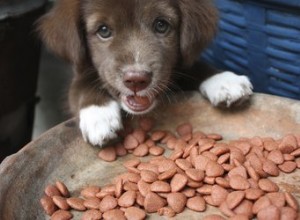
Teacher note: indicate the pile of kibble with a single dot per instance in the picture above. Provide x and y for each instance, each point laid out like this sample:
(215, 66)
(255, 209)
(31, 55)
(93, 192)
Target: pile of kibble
(201, 170)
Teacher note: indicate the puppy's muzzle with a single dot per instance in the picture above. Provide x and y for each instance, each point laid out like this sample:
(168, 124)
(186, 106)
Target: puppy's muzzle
(137, 80)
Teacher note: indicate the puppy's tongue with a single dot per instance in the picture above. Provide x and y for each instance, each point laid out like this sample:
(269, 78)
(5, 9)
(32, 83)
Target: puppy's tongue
(138, 103)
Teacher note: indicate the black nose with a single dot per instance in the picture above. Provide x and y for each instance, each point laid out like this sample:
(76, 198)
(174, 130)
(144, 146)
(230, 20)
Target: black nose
(137, 80)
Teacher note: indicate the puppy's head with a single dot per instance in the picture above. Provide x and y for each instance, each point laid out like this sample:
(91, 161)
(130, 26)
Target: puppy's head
(134, 45)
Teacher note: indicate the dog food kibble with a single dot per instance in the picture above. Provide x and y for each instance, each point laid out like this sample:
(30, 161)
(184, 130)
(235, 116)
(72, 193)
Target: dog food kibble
(218, 194)
(61, 202)
(234, 198)
(120, 150)
(277, 199)
(244, 208)
(141, 150)
(135, 213)
(108, 203)
(127, 199)
(114, 214)
(195, 174)
(177, 201)
(130, 142)
(213, 217)
(108, 154)
(61, 215)
(239, 217)
(90, 191)
(183, 129)
(140, 135)
(201, 170)
(288, 213)
(153, 202)
(48, 205)
(276, 156)
(213, 169)
(132, 163)
(291, 201)
(270, 168)
(156, 151)
(253, 193)
(225, 210)
(149, 176)
(288, 166)
(62, 188)
(269, 213)
(92, 214)
(158, 135)
(238, 182)
(196, 203)
(92, 203)
(166, 211)
(267, 185)
(160, 187)
(167, 174)
(51, 190)
(296, 152)
(178, 182)
(76, 203)
(261, 203)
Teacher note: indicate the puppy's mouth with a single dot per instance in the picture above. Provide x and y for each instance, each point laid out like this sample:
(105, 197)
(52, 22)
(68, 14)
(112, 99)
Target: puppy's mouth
(138, 104)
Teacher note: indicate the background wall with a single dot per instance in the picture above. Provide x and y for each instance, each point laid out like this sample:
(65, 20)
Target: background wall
(54, 77)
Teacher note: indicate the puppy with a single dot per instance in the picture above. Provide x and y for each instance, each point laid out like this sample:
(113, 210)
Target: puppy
(127, 54)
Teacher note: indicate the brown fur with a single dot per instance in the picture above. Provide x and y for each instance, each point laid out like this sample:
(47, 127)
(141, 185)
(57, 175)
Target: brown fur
(70, 28)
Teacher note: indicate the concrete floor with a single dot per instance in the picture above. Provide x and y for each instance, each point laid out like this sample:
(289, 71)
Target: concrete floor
(54, 78)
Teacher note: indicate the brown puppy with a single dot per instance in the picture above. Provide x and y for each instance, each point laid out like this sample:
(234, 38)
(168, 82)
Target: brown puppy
(127, 54)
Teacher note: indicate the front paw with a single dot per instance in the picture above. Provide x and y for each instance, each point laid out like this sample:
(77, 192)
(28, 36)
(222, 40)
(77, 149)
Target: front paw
(99, 124)
(226, 88)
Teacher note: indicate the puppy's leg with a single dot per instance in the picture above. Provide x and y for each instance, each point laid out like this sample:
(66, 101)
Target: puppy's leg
(220, 88)
(226, 88)
(99, 123)
(99, 114)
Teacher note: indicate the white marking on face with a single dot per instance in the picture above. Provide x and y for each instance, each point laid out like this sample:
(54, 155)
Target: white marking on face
(137, 57)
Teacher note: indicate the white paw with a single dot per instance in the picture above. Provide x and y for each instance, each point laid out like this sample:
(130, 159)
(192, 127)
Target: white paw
(98, 124)
(226, 88)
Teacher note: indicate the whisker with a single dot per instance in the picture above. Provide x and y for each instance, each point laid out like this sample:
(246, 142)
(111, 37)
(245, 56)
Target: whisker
(185, 75)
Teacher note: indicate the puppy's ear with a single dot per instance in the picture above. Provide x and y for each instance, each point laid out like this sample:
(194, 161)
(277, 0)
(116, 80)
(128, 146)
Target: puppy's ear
(60, 30)
(198, 26)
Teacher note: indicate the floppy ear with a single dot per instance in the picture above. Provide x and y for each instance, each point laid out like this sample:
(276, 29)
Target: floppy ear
(60, 30)
(198, 26)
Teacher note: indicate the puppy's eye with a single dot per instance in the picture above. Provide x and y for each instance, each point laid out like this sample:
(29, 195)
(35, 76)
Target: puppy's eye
(104, 32)
(161, 26)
